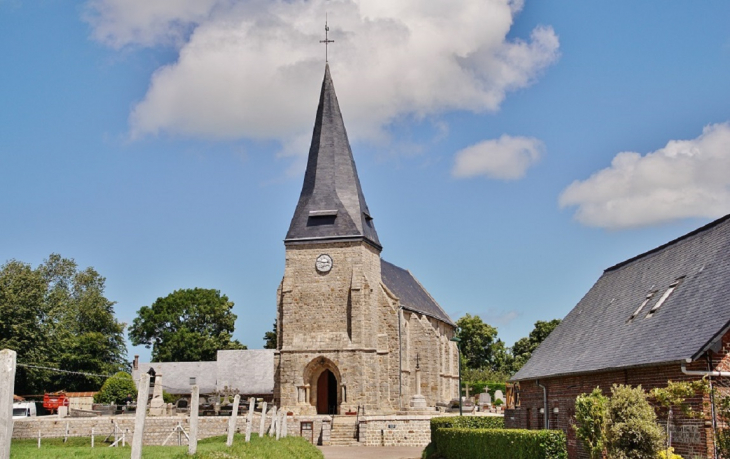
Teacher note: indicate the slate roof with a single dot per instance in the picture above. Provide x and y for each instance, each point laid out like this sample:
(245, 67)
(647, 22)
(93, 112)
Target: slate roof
(249, 371)
(411, 293)
(176, 375)
(331, 205)
(598, 334)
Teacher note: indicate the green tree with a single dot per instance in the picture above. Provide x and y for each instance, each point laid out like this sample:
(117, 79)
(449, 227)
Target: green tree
(270, 339)
(632, 431)
(524, 347)
(591, 416)
(116, 388)
(477, 341)
(57, 316)
(186, 326)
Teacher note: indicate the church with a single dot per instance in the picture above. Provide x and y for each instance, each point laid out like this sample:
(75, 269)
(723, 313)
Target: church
(355, 333)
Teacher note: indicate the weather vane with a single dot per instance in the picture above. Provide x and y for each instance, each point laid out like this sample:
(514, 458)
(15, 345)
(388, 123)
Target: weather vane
(326, 40)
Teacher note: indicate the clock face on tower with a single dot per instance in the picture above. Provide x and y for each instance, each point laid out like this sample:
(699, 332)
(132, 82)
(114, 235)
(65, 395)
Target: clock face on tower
(324, 263)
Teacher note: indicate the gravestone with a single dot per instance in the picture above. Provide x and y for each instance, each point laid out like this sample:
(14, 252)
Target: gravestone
(498, 395)
(485, 399)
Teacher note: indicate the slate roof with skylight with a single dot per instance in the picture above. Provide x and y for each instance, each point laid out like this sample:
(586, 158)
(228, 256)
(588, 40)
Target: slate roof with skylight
(666, 305)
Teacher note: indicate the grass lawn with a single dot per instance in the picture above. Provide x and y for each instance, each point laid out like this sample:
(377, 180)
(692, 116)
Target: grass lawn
(209, 448)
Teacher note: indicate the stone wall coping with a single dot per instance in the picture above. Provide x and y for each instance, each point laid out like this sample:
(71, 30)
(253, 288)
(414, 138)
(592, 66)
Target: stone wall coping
(397, 417)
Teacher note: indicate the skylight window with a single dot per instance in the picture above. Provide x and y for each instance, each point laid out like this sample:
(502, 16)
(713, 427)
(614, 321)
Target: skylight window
(672, 287)
(648, 298)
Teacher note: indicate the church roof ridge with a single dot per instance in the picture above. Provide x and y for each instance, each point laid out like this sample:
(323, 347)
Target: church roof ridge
(331, 205)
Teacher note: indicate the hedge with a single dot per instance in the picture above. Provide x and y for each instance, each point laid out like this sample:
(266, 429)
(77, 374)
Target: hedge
(466, 422)
(461, 443)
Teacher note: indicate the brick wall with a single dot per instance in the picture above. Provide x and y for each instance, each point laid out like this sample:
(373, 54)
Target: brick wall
(692, 437)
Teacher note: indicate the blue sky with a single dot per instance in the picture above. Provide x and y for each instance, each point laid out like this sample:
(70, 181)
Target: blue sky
(508, 152)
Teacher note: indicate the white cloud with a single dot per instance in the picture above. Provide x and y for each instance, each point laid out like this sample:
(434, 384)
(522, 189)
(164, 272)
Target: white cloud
(686, 178)
(505, 158)
(253, 68)
(143, 22)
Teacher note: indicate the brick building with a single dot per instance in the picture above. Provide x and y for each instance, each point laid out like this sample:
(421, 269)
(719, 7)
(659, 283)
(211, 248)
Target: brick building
(351, 328)
(660, 316)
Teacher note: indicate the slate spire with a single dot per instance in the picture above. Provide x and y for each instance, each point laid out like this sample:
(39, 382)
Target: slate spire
(331, 206)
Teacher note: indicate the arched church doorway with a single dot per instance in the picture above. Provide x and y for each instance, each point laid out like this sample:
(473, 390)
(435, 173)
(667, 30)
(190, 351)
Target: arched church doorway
(327, 393)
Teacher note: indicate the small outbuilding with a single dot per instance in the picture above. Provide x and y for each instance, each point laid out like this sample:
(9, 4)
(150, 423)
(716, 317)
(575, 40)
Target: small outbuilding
(249, 373)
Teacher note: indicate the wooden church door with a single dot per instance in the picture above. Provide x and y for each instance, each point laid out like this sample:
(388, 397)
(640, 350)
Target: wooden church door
(327, 393)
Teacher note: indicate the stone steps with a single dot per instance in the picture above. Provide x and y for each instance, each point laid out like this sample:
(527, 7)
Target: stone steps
(344, 431)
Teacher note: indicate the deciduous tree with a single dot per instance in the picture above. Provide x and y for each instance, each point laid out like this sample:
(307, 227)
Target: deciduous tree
(524, 347)
(185, 326)
(270, 339)
(57, 316)
(477, 341)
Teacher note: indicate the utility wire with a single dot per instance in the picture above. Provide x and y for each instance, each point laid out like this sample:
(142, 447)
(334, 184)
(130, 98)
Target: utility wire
(38, 367)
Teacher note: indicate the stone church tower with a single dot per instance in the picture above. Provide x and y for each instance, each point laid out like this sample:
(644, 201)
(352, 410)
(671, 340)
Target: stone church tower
(353, 330)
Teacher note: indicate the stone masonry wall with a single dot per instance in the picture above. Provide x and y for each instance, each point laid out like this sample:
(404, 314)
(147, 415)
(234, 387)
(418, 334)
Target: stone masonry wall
(347, 321)
(395, 430)
(332, 321)
(158, 428)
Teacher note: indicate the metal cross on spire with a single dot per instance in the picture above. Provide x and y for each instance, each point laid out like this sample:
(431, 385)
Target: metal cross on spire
(326, 40)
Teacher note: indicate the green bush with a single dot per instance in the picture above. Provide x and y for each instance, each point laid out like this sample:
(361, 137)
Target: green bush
(591, 416)
(632, 431)
(466, 422)
(461, 443)
(116, 388)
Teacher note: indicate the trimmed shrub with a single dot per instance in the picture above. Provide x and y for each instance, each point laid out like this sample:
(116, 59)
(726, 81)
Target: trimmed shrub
(632, 431)
(461, 443)
(466, 422)
(115, 389)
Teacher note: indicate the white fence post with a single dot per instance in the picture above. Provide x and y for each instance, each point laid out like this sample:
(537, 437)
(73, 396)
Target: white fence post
(272, 428)
(142, 394)
(249, 421)
(232, 420)
(7, 385)
(263, 420)
(194, 408)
